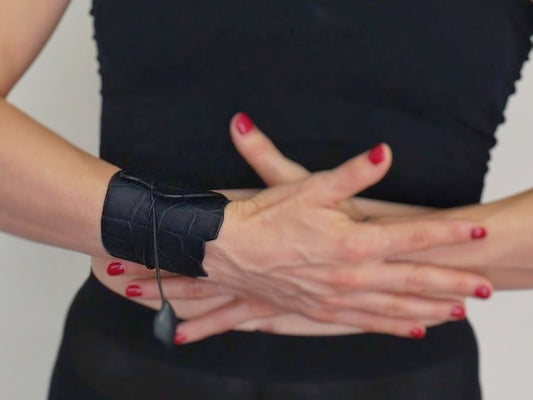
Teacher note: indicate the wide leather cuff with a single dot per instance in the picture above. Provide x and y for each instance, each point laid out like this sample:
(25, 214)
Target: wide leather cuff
(185, 220)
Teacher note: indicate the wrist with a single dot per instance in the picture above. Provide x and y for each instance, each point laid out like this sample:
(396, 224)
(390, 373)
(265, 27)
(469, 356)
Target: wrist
(143, 219)
(221, 253)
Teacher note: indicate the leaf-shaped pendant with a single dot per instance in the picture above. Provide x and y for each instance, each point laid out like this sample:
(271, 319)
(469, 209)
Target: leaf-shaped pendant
(165, 324)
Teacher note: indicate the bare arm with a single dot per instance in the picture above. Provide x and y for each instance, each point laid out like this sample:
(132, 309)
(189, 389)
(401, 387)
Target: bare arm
(50, 190)
(25, 26)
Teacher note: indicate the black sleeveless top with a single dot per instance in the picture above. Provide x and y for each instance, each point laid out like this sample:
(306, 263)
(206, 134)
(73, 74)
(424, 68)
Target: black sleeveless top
(326, 80)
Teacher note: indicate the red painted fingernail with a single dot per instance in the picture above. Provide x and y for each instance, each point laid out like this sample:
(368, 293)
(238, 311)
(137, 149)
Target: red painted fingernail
(244, 124)
(115, 268)
(180, 338)
(133, 290)
(377, 154)
(459, 312)
(418, 333)
(478, 233)
(483, 292)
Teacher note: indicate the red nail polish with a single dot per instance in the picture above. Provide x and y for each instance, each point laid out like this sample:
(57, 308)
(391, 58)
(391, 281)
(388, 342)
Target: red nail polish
(459, 312)
(418, 333)
(377, 154)
(115, 268)
(180, 338)
(483, 292)
(478, 233)
(133, 291)
(244, 124)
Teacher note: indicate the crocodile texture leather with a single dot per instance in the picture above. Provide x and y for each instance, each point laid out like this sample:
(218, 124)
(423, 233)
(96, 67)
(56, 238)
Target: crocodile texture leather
(185, 220)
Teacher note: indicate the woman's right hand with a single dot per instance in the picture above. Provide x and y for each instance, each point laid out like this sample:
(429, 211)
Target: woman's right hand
(293, 247)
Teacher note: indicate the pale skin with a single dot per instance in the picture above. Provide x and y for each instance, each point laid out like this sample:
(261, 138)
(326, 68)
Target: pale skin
(45, 182)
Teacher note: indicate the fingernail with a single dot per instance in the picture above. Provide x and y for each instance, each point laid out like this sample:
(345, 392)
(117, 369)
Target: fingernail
(115, 268)
(133, 291)
(478, 233)
(180, 338)
(244, 124)
(483, 292)
(459, 312)
(418, 333)
(377, 154)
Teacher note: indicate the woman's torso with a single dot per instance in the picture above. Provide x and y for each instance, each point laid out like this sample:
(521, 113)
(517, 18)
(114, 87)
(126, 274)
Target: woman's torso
(324, 79)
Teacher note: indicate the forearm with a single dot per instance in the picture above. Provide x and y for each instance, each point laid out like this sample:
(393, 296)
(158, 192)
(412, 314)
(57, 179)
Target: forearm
(50, 191)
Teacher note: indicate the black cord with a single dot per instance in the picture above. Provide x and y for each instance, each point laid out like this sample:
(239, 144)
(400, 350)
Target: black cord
(156, 255)
(165, 321)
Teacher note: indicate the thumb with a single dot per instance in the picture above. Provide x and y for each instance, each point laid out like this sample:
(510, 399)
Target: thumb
(261, 154)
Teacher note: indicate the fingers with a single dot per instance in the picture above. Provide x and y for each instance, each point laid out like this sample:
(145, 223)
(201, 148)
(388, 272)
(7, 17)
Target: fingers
(174, 287)
(115, 266)
(430, 280)
(221, 320)
(377, 241)
(352, 176)
(268, 162)
(422, 235)
(370, 322)
(402, 306)
(408, 278)
(331, 186)
(262, 155)
(229, 316)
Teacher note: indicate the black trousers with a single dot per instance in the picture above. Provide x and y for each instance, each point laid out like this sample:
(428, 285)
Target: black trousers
(108, 353)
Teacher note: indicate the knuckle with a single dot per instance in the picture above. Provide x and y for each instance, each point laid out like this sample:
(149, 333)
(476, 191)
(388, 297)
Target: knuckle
(461, 285)
(356, 280)
(195, 289)
(420, 238)
(350, 247)
(395, 307)
(318, 180)
(348, 278)
(416, 281)
(345, 247)
(439, 312)
(374, 240)
(457, 230)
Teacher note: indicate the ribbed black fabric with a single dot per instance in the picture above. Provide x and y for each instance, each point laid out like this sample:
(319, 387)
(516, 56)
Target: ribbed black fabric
(325, 80)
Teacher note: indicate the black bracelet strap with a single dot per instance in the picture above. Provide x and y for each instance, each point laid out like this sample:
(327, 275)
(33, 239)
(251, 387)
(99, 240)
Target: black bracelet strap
(185, 220)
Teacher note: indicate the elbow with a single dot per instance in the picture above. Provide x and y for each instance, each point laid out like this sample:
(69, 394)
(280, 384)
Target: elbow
(6, 82)
(4, 90)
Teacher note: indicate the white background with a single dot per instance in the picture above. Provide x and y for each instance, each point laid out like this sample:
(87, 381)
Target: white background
(38, 282)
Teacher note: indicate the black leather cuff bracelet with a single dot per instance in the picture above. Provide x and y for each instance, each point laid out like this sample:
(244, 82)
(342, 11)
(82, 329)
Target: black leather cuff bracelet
(184, 220)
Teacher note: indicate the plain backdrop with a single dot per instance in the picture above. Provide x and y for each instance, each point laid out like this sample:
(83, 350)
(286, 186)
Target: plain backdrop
(38, 282)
